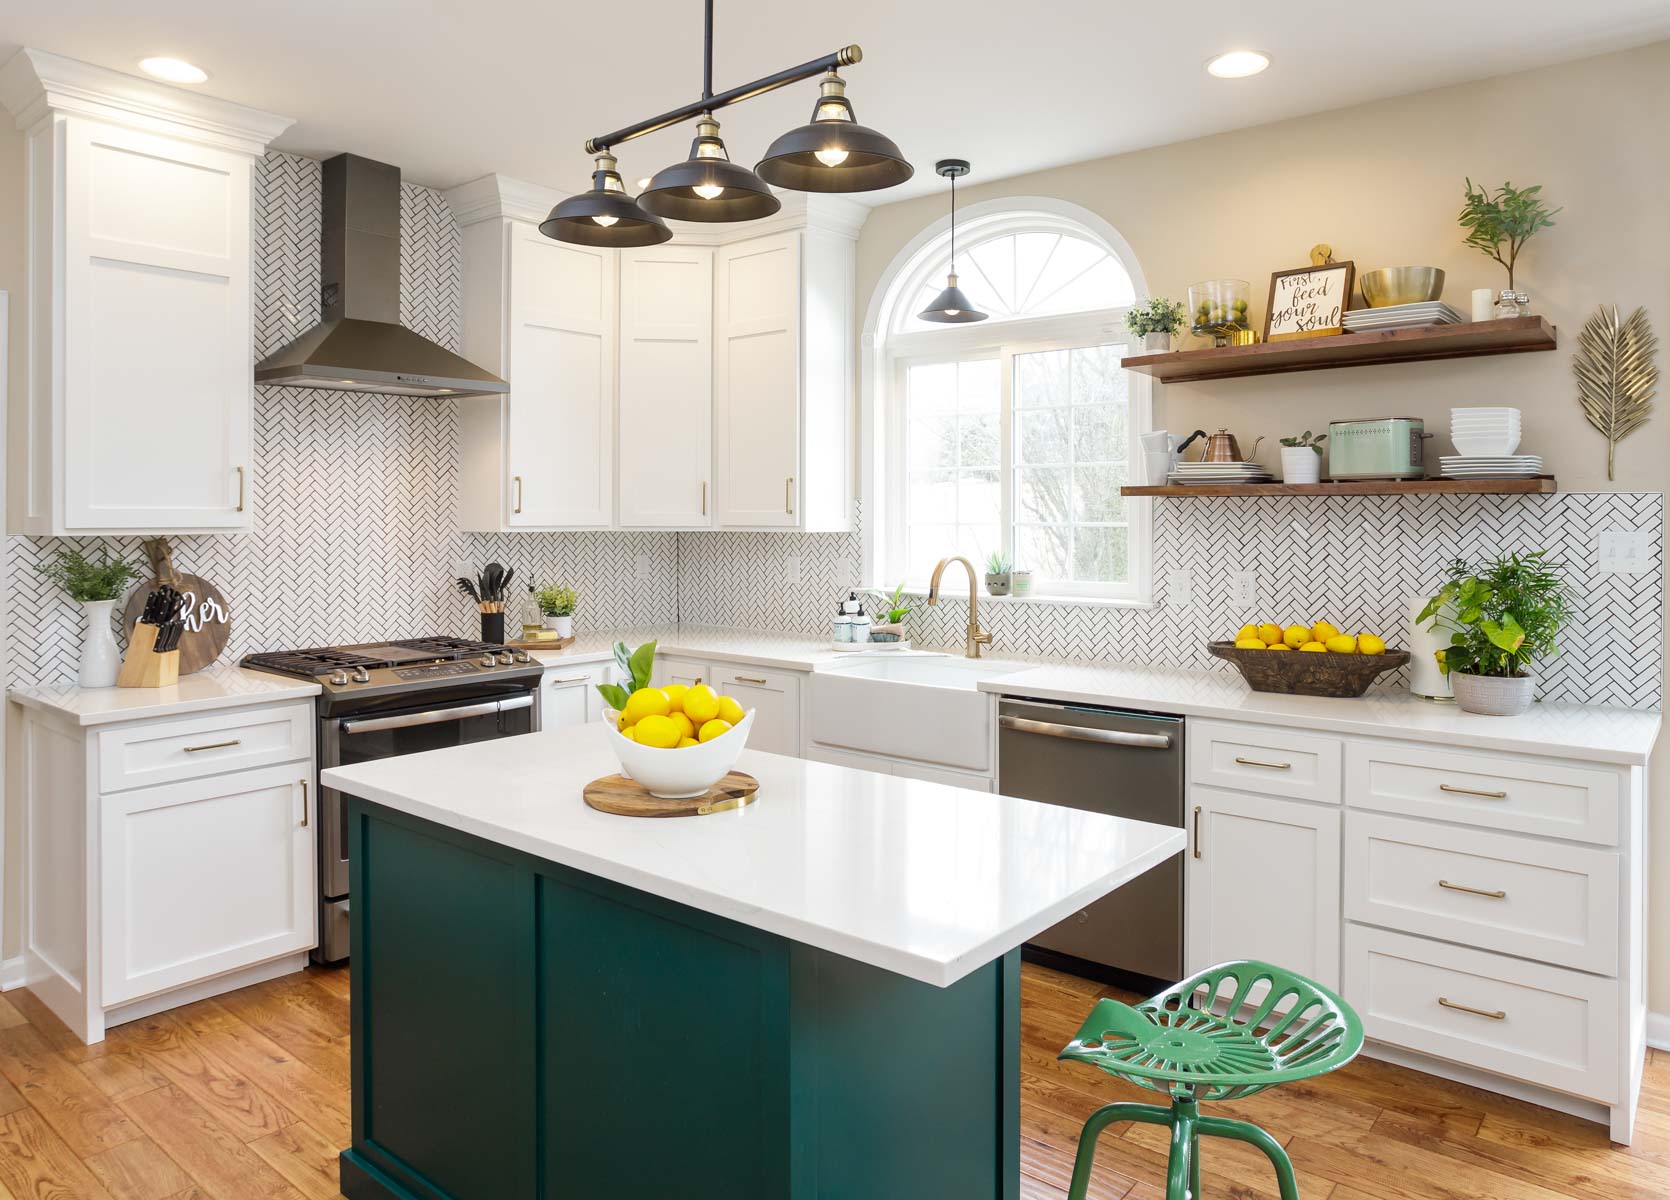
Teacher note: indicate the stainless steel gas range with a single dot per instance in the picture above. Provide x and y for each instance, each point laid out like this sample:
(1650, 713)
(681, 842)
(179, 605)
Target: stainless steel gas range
(387, 698)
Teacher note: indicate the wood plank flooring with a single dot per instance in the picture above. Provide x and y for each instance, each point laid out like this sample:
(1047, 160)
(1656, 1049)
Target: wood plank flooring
(246, 1096)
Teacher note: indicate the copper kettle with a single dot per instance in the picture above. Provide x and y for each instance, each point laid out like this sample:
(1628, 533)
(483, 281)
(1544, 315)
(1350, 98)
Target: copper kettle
(1221, 447)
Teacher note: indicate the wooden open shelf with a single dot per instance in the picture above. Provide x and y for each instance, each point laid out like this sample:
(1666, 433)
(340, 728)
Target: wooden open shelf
(1515, 335)
(1541, 485)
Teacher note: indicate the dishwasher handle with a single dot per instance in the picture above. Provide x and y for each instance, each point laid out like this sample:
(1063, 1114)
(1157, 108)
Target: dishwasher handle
(1081, 733)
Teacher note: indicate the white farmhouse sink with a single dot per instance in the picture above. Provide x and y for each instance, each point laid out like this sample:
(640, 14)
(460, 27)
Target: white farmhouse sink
(920, 707)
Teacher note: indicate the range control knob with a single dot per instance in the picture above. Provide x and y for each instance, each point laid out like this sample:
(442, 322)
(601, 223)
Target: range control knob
(339, 679)
(489, 660)
(506, 658)
(361, 675)
(522, 656)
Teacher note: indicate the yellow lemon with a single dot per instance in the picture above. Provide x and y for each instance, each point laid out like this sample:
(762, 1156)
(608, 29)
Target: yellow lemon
(658, 731)
(623, 724)
(646, 702)
(686, 728)
(1315, 647)
(1278, 646)
(683, 742)
(1269, 633)
(1341, 643)
(675, 696)
(700, 704)
(1322, 631)
(1368, 643)
(1295, 636)
(714, 728)
(1250, 643)
(1246, 631)
(730, 710)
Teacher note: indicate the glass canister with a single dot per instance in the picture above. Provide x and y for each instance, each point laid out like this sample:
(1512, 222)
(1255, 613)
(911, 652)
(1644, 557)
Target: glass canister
(1218, 309)
(1507, 305)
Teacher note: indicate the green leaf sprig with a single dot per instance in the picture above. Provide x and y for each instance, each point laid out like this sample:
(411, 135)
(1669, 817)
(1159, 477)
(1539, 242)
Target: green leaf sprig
(1499, 223)
(635, 667)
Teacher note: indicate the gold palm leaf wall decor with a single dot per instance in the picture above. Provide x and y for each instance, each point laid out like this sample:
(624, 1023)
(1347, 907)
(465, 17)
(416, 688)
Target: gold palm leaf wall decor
(1616, 376)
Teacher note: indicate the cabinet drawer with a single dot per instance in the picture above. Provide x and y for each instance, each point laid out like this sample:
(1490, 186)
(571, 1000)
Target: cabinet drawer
(154, 752)
(1527, 1021)
(1263, 758)
(688, 671)
(1497, 891)
(1526, 795)
(568, 694)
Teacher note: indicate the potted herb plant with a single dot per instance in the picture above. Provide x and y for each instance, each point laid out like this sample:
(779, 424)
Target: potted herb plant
(556, 606)
(1507, 612)
(96, 586)
(997, 573)
(1301, 457)
(1499, 223)
(1155, 323)
(891, 627)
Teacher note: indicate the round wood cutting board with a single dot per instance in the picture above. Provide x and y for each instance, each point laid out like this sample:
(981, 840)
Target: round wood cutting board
(207, 614)
(625, 797)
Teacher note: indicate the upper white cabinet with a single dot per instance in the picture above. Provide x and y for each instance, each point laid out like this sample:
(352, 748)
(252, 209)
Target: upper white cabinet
(666, 387)
(139, 408)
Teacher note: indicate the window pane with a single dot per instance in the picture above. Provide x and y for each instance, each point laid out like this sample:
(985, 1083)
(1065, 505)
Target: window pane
(1072, 258)
(1097, 378)
(979, 440)
(1100, 553)
(1105, 285)
(1096, 493)
(980, 292)
(1032, 251)
(996, 260)
(928, 544)
(979, 385)
(932, 388)
(1041, 495)
(1041, 378)
(1043, 436)
(932, 498)
(1099, 434)
(978, 501)
(933, 444)
(1043, 550)
(975, 543)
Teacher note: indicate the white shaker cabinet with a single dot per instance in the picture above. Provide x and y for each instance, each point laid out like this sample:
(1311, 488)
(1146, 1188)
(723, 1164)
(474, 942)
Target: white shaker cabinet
(568, 694)
(140, 397)
(775, 698)
(666, 388)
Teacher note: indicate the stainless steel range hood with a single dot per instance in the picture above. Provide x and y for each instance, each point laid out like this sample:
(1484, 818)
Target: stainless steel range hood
(360, 345)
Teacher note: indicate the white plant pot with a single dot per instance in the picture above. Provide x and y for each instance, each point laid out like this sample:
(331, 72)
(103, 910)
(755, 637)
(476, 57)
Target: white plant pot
(1300, 464)
(1156, 343)
(1493, 695)
(101, 659)
(561, 626)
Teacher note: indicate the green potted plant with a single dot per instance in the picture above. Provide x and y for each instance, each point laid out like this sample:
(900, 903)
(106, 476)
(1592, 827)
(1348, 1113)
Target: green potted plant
(96, 586)
(1499, 223)
(891, 625)
(1155, 323)
(1301, 457)
(997, 573)
(1507, 612)
(556, 606)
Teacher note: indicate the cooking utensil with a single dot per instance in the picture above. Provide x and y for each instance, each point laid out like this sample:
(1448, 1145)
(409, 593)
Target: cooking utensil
(1401, 285)
(1221, 447)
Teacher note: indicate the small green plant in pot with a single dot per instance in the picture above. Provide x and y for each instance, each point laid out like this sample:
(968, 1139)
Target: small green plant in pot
(997, 573)
(890, 627)
(1507, 614)
(96, 586)
(1156, 323)
(1301, 457)
(1500, 222)
(556, 606)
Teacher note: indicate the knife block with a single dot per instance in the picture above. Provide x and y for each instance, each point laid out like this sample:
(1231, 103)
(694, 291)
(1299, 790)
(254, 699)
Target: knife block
(143, 666)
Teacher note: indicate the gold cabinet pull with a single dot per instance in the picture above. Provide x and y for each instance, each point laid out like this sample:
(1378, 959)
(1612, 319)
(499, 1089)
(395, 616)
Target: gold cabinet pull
(788, 495)
(240, 489)
(1461, 791)
(304, 803)
(704, 497)
(1253, 762)
(214, 746)
(748, 679)
(1472, 891)
(1477, 1012)
(517, 480)
(570, 679)
(1197, 831)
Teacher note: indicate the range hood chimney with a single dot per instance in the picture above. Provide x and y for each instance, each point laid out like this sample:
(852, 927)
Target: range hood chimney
(359, 344)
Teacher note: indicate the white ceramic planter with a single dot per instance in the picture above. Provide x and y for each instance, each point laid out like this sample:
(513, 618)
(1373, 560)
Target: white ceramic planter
(1156, 343)
(1493, 695)
(101, 659)
(561, 626)
(1300, 464)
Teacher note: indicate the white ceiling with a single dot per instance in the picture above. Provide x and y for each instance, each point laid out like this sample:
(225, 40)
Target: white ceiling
(453, 89)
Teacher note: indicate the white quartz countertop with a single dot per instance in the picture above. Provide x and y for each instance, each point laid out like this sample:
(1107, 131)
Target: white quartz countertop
(917, 878)
(210, 688)
(746, 647)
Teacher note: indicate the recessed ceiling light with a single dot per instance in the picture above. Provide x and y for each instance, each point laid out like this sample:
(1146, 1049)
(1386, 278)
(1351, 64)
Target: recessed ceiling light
(1237, 64)
(174, 70)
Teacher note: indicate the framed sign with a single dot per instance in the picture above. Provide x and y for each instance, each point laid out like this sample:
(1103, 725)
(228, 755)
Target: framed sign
(1308, 301)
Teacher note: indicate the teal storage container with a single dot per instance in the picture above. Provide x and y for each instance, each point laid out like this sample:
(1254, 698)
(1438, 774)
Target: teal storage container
(1384, 448)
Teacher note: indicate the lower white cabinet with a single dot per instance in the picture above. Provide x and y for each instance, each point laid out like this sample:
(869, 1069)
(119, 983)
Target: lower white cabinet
(775, 698)
(1262, 881)
(904, 768)
(568, 694)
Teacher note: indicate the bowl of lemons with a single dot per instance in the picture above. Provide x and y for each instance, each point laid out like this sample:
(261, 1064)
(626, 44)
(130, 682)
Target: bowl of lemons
(679, 741)
(1316, 659)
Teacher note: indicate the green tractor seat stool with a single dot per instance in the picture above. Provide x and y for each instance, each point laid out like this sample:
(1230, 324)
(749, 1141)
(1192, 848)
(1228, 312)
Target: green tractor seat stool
(1178, 1043)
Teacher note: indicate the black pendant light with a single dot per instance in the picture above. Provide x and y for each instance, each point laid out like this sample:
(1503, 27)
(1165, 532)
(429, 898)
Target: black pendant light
(708, 186)
(604, 216)
(951, 307)
(834, 153)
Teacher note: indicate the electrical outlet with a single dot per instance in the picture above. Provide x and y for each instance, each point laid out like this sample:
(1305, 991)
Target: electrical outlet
(1243, 589)
(1624, 551)
(791, 568)
(844, 575)
(1180, 588)
(644, 568)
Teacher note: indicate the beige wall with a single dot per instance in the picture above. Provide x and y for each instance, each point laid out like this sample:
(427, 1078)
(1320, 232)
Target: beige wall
(1382, 184)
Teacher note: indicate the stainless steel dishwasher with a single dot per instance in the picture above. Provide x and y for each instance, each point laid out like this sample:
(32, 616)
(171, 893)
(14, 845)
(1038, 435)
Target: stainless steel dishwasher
(1127, 764)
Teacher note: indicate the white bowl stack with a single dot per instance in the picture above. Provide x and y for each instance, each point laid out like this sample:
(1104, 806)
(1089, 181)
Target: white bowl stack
(1486, 439)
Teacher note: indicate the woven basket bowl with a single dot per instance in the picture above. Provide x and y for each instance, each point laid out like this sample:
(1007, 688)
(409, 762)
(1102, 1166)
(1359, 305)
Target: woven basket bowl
(1300, 674)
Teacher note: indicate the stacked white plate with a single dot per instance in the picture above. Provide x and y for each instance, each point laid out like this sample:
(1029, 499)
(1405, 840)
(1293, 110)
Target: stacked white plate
(1401, 316)
(1485, 432)
(1490, 466)
(1220, 472)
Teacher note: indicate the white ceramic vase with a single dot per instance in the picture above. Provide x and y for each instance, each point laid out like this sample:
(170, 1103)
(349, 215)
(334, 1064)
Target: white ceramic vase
(562, 626)
(100, 657)
(1300, 464)
(1156, 343)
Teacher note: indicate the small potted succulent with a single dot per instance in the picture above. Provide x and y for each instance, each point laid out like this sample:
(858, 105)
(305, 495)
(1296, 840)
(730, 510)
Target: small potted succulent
(556, 606)
(96, 586)
(997, 573)
(1507, 612)
(1156, 323)
(890, 627)
(1301, 457)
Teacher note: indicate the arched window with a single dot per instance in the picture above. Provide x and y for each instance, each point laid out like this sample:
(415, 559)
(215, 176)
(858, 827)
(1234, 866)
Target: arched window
(1014, 434)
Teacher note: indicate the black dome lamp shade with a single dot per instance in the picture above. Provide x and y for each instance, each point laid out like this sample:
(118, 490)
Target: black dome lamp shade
(605, 215)
(951, 307)
(834, 153)
(708, 186)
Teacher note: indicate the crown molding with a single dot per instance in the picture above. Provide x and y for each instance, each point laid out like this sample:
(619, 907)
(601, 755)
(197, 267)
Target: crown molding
(499, 197)
(35, 84)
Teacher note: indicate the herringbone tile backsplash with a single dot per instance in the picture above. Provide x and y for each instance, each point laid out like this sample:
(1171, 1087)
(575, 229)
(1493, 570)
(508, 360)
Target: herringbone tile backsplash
(356, 536)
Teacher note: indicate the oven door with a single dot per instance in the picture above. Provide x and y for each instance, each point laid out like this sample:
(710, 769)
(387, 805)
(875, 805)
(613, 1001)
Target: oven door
(348, 740)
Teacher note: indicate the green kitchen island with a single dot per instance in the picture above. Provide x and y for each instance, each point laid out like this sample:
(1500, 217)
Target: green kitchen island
(816, 996)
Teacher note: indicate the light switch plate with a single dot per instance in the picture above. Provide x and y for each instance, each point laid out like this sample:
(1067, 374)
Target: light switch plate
(1624, 552)
(644, 567)
(1180, 588)
(791, 568)
(844, 573)
(1243, 588)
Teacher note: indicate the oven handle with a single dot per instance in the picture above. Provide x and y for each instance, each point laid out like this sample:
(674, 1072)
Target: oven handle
(1080, 733)
(433, 716)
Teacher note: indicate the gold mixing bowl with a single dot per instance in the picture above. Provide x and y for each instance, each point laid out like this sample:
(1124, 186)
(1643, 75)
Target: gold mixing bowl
(1401, 285)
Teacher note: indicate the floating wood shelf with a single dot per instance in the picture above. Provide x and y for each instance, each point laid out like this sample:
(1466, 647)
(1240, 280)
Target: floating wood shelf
(1541, 485)
(1515, 335)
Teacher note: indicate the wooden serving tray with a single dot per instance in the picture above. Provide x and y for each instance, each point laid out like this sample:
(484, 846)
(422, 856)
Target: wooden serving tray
(557, 644)
(625, 797)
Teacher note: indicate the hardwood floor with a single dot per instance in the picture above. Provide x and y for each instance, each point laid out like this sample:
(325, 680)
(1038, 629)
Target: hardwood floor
(246, 1095)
